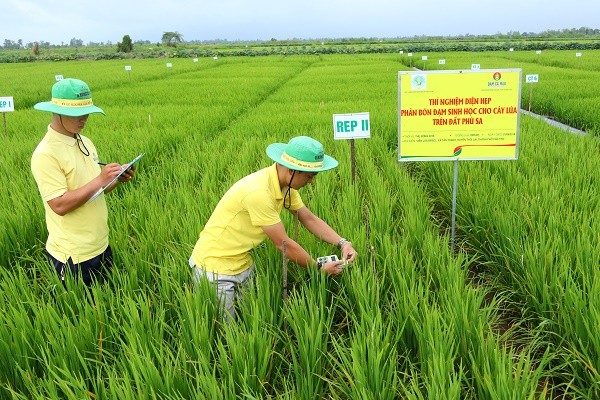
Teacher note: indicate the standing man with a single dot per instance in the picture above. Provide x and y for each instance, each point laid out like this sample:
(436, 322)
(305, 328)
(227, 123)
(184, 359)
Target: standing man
(249, 213)
(67, 171)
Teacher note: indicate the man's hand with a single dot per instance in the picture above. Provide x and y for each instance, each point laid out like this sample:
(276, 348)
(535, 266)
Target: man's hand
(109, 172)
(333, 268)
(348, 252)
(128, 174)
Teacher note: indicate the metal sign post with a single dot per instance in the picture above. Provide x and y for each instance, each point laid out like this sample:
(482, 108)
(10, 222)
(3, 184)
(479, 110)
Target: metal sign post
(454, 197)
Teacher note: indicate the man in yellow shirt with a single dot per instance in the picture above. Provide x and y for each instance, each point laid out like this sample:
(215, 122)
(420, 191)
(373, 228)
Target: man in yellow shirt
(248, 214)
(67, 171)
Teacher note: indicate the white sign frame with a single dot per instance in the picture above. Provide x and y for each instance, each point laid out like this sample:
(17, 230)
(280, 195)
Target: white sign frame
(10, 104)
(359, 120)
(532, 78)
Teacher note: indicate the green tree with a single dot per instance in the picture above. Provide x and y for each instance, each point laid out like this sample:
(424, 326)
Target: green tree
(172, 38)
(126, 46)
(75, 42)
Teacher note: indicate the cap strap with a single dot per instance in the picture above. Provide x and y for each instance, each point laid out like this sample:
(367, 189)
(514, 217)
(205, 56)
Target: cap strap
(299, 163)
(72, 103)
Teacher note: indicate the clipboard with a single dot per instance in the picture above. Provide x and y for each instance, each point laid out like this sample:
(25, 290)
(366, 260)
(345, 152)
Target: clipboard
(117, 177)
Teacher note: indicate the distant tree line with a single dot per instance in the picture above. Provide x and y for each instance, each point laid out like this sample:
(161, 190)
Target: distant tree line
(171, 39)
(19, 45)
(566, 39)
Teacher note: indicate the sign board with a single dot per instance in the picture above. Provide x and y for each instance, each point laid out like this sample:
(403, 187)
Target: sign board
(538, 52)
(169, 65)
(409, 54)
(442, 62)
(577, 54)
(195, 60)
(401, 51)
(351, 126)
(475, 67)
(128, 68)
(424, 58)
(7, 104)
(58, 78)
(451, 115)
(511, 49)
(533, 78)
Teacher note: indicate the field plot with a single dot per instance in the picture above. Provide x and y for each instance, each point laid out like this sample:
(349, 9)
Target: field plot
(511, 315)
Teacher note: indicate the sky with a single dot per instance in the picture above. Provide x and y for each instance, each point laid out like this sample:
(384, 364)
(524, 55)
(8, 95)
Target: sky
(59, 21)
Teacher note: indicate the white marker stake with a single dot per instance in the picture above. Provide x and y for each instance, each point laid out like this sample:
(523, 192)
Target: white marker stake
(352, 126)
(531, 79)
(7, 104)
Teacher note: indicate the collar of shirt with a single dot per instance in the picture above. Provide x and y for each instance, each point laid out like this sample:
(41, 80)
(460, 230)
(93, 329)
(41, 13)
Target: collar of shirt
(54, 135)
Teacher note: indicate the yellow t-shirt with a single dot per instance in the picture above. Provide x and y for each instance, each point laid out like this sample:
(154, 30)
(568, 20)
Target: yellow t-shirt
(235, 226)
(59, 166)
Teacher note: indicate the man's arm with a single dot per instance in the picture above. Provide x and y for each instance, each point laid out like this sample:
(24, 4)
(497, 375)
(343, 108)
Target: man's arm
(323, 231)
(295, 252)
(74, 199)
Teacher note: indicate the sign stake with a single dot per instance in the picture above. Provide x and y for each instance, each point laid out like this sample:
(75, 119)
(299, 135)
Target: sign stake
(454, 196)
(530, 95)
(353, 159)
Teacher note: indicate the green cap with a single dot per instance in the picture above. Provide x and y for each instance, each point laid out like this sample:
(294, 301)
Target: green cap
(301, 153)
(70, 97)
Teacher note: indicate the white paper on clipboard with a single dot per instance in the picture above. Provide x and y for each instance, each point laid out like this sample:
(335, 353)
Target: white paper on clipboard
(117, 177)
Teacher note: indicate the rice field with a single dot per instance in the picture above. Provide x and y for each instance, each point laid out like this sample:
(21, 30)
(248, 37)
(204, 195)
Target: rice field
(512, 314)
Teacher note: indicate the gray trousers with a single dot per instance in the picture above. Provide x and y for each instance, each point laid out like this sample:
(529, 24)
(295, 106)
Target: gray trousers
(229, 287)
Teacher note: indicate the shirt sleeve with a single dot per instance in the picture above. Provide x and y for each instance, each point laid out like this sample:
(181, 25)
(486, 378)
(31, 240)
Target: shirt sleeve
(49, 176)
(261, 208)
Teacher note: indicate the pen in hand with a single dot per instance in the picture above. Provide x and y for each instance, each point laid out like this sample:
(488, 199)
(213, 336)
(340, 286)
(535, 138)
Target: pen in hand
(103, 163)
